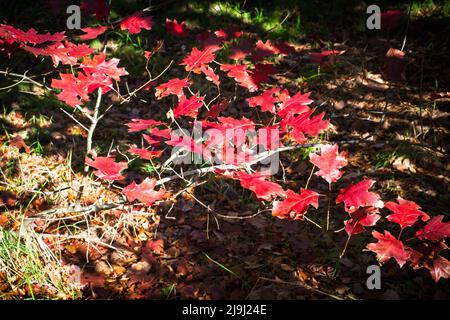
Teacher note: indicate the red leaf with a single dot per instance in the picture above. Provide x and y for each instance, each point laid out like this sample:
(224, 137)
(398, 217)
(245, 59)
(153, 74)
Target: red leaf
(92, 33)
(363, 217)
(210, 75)
(324, 57)
(440, 268)
(156, 135)
(97, 7)
(262, 72)
(388, 247)
(143, 192)
(137, 125)
(107, 168)
(302, 125)
(98, 64)
(294, 105)
(73, 89)
(256, 182)
(435, 229)
(175, 28)
(146, 154)
(196, 59)
(357, 195)
(136, 22)
(66, 53)
(11, 34)
(241, 75)
(295, 205)
(188, 107)
(216, 109)
(156, 246)
(266, 100)
(329, 162)
(173, 86)
(264, 49)
(406, 212)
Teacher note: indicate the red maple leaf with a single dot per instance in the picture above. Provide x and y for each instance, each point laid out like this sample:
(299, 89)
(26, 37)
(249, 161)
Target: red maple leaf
(357, 195)
(324, 57)
(210, 75)
(198, 58)
(146, 154)
(66, 53)
(156, 135)
(137, 125)
(188, 107)
(295, 205)
(262, 72)
(187, 143)
(144, 192)
(440, 268)
(256, 182)
(136, 22)
(303, 124)
(73, 89)
(11, 34)
(173, 86)
(98, 64)
(216, 109)
(435, 229)
(294, 105)
(175, 28)
(107, 168)
(266, 100)
(97, 7)
(388, 247)
(241, 75)
(92, 33)
(406, 212)
(363, 217)
(329, 162)
(264, 49)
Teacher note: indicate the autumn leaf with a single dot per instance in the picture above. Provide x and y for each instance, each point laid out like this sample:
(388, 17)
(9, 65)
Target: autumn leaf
(144, 192)
(216, 109)
(74, 91)
(137, 125)
(435, 229)
(98, 64)
(174, 86)
(388, 247)
(357, 195)
(136, 22)
(210, 75)
(198, 58)
(303, 124)
(92, 32)
(363, 217)
(329, 162)
(241, 75)
(406, 213)
(325, 57)
(107, 168)
(146, 154)
(294, 105)
(256, 182)
(266, 100)
(188, 107)
(175, 28)
(440, 268)
(11, 34)
(295, 205)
